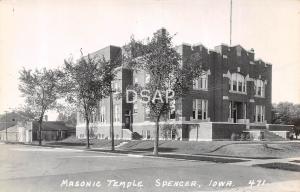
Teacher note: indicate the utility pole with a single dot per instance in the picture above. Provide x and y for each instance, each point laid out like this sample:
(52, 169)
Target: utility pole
(112, 118)
(230, 22)
(6, 125)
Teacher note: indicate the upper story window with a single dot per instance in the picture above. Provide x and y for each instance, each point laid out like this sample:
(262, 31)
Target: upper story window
(237, 83)
(117, 113)
(259, 88)
(102, 114)
(147, 112)
(172, 110)
(116, 86)
(135, 108)
(201, 82)
(147, 78)
(200, 109)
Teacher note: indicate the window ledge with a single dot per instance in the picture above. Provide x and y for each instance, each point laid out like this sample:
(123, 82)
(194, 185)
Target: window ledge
(238, 92)
(200, 120)
(258, 96)
(200, 89)
(260, 122)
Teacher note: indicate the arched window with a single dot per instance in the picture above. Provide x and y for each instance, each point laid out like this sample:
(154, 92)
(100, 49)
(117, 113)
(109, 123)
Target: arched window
(259, 88)
(237, 83)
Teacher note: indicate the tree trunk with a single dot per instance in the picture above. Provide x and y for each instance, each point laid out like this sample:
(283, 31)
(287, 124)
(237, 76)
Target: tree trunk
(87, 133)
(112, 120)
(40, 132)
(156, 140)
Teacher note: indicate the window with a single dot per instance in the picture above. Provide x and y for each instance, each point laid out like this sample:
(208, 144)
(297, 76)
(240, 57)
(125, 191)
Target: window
(147, 78)
(240, 89)
(116, 86)
(200, 82)
(259, 88)
(234, 87)
(147, 112)
(135, 108)
(200, 109)
(143, 134)
(148, 134)
(259, 113)
(237, 83)
(102, 114)
(245, 111)
(117, 113)
(230, 109)
(172, 110)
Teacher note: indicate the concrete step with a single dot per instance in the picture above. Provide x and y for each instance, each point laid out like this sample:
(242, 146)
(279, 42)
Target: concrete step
(269, 136)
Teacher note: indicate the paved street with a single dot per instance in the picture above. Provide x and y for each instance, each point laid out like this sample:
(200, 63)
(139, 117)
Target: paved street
(33, 168)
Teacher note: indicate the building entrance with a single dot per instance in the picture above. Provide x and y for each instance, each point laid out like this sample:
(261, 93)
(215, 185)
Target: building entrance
(237, 111)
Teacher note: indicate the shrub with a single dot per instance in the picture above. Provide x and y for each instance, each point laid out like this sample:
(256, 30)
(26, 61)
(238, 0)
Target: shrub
(248, 138)
(234, 137)
(243, 136)
(167, 130)
(261, 136)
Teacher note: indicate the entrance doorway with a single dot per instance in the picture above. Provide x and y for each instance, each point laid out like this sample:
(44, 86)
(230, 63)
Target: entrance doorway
(236, 111)
(128, 120)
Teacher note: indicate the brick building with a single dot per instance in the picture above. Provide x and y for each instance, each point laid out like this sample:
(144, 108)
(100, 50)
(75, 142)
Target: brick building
(233, 96)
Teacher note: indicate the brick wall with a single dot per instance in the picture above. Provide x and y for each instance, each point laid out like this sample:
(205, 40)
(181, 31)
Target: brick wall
(224, 130)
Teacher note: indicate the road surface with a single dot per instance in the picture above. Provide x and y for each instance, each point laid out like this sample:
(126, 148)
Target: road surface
(33, 168)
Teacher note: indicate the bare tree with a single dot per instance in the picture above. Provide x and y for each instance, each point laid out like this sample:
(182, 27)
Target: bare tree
(41, 89)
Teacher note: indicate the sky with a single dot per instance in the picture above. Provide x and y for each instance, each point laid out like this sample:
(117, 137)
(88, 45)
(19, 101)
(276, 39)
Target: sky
(42, 33)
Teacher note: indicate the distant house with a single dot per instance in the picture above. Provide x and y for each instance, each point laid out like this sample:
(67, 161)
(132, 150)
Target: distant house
(28, 131)
(52, 130)
(12, 133)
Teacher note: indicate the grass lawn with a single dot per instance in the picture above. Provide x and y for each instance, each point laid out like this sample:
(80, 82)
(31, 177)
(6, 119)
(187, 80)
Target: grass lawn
(95, 143)
(282, 166)
(246, 149)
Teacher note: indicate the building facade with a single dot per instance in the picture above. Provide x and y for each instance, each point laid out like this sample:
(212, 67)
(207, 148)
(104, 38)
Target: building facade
(232, 96)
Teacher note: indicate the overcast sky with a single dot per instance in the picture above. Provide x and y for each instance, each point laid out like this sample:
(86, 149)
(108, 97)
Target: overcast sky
(42, 33)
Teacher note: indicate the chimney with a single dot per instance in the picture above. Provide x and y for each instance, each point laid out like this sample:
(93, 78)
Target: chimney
(251, 54)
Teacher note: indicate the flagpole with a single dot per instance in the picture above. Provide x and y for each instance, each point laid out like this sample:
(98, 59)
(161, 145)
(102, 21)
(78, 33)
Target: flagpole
(230, 22)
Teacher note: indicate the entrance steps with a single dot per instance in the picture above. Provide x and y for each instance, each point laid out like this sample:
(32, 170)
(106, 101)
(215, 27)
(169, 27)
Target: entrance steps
(136, 136)
(269, 136)
(126, 134)
(129, 135)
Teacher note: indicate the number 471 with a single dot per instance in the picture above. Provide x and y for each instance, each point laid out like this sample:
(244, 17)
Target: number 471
(256, 183)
